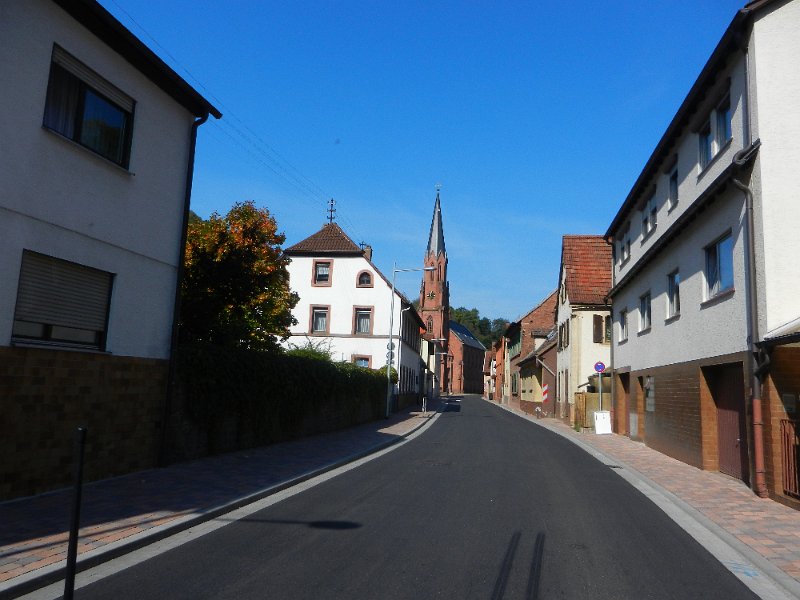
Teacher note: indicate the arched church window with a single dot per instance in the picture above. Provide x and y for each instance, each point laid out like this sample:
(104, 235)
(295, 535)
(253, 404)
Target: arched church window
(430, 324)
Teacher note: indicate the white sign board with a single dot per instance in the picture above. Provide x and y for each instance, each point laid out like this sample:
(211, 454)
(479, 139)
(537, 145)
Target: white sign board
(602, 422)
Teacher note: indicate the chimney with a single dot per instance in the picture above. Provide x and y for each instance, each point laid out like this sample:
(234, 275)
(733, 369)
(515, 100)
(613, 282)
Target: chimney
(367, 251)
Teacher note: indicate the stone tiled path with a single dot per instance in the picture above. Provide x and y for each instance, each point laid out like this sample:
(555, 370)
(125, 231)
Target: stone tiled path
(767, 527)
(34, 531)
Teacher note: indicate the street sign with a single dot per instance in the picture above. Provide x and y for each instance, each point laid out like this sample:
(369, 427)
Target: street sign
(389, 355)
(599, 367)
(545, 390)
(390, 346)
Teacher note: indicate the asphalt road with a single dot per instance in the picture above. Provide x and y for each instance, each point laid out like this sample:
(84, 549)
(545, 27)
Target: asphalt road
(482, 505)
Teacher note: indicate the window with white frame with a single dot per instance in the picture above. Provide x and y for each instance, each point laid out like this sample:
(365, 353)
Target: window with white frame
(623, 325)
(649, 214)
(705, 145)
(322, 272)
(673, 294)
(362, 321)
(61, 302)
(723, 118)
(673, 189)
(716, 132)
(319, 319)
(645, 315)
(719, 266)
(362, 361)
(364, 279)
(85, 108)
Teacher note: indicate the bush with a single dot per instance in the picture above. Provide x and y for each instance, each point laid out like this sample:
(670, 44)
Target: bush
(272, 396)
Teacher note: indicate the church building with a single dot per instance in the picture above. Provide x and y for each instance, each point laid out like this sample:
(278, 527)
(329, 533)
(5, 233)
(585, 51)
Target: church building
(434, 297)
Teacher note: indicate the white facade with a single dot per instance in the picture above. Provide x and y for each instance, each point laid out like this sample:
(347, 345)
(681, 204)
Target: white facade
(576, 358)
(343, 297)
(62, 200)
(762, 87)
(774, 88)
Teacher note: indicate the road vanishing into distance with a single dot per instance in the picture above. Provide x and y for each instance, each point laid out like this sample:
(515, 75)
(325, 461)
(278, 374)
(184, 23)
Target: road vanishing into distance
(482, 505)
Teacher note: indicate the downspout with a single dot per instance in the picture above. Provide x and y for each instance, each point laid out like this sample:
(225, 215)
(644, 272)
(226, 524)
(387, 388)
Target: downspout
(176, 310)
(754, 369)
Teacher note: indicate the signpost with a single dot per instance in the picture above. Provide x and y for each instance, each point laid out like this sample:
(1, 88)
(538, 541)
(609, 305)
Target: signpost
(545, 390)
(602, 419)
(599, 367)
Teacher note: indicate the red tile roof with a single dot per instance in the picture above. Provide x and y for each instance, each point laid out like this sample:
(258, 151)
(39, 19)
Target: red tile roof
(331, 239)
(540, 320)
(586, 261)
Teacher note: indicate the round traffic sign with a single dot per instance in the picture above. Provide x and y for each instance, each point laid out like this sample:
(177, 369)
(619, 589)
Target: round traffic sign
(599, 367)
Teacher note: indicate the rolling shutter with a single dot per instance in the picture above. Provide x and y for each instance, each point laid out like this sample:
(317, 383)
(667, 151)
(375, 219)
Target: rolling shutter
(58, 292)
(92, 79)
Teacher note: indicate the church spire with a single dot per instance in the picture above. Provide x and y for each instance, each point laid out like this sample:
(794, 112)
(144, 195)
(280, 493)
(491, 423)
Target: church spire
(436, 236)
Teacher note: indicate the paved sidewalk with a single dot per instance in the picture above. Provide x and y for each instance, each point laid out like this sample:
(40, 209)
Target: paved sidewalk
(124, 513)
(729, 508)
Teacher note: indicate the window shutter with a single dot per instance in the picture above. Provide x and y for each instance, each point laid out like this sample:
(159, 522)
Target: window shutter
(92, 79)
(597, 322)
(57, 292)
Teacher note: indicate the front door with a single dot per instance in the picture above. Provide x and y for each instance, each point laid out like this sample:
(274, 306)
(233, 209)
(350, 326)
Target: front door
(726, 384)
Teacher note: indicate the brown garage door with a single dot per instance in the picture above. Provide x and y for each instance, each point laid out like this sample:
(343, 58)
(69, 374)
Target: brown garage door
(726, 384)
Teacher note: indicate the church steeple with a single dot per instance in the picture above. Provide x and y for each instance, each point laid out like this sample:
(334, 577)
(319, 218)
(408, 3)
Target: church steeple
(436, 236)
(434, 293)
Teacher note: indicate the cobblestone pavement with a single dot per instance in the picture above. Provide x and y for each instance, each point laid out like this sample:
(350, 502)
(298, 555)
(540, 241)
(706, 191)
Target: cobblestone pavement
(767, 527)
(34, 531)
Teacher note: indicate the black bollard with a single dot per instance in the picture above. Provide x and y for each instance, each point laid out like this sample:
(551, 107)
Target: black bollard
(74, 525)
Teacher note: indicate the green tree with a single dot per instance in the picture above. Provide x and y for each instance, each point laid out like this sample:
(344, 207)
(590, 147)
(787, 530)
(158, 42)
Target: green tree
(486, 330)
(235, 290)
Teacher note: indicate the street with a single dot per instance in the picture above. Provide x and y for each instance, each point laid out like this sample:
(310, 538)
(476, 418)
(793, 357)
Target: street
(481, 505)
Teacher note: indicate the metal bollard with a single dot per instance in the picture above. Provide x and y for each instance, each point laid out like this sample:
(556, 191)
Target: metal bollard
(74, 525)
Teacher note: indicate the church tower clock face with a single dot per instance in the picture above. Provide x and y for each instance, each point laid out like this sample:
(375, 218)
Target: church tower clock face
(431, 295)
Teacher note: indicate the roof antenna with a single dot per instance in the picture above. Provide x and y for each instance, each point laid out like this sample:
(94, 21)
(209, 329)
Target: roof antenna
(331, 210)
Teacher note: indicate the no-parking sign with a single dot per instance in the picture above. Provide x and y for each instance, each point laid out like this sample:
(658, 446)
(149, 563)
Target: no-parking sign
(599, 367)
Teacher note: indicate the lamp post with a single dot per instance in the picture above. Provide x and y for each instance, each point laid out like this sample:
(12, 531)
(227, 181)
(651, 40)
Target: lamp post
(390, 353)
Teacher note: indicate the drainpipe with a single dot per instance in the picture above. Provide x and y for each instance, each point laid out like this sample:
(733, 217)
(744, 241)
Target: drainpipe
(755, 370)
(173, 367)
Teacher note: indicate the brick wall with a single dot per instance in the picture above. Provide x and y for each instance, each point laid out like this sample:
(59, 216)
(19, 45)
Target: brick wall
(674, 427)
(784, 378)
(46, 394)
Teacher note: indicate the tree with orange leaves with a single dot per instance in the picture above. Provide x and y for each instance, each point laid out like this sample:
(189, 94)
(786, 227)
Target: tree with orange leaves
(235, 289)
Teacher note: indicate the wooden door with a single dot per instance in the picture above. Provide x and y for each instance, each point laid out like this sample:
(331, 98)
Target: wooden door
(727, 389)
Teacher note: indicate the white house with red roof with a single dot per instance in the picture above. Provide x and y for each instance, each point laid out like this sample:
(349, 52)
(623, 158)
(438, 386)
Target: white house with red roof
(583, 314)
(345, 304)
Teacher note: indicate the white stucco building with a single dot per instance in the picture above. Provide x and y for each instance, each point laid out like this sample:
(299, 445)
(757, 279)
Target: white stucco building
(94, 198)
(345, 304)
(583, 316)
(704, 292)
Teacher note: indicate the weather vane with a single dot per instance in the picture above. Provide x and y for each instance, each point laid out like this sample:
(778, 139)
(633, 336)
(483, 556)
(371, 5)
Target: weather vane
(438, 187)
(331, 210)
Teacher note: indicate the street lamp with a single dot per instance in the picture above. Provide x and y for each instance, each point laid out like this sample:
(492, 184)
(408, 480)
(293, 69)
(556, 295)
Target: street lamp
(390, 354)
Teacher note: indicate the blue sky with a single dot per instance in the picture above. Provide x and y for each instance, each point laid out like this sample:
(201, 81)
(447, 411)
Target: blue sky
(535, 118)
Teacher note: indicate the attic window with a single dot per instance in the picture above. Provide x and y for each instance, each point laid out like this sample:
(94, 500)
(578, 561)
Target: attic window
(364, 279)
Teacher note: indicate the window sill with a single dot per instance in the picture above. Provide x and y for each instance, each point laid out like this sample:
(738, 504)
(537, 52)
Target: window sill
(672, 319)
(648, 235)
(672, 208)
(90, 152)
(644, 331)
(621, 342)
(45, 344)
(720, 297)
